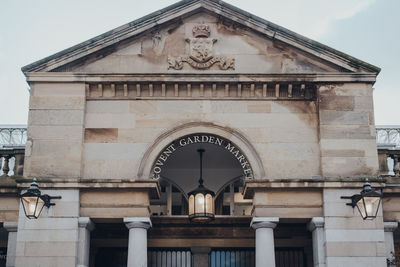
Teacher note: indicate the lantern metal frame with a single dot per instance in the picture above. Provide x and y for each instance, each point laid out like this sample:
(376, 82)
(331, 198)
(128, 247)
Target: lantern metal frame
(34, 192)
(201, 217)
(366, 192)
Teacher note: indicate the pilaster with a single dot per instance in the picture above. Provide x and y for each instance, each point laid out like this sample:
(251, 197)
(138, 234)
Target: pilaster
(12, 228)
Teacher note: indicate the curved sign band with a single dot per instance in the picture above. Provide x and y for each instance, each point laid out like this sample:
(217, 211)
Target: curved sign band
(201, 138)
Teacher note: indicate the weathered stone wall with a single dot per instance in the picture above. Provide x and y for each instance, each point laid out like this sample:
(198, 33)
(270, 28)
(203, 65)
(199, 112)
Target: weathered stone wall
(69, 137)
(252, 52)
(114, 203)
(9, 206)
(292, 203)
(347, 130)
(391, 207)
(55, 130)
(118, 133)
(351, 241)
(331, 137)
(52, 239)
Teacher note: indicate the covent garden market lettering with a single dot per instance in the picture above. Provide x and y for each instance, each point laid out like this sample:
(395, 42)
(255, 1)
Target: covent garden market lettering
(201, 138)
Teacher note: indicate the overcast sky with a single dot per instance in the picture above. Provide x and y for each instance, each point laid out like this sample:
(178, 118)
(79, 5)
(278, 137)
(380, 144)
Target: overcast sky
(31, 30)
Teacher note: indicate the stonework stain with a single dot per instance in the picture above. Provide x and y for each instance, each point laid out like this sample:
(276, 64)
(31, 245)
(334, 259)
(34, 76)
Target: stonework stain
(101, 135)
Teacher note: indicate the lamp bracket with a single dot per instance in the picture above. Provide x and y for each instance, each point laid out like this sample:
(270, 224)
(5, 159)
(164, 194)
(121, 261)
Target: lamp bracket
(47, 200)
(353, 198)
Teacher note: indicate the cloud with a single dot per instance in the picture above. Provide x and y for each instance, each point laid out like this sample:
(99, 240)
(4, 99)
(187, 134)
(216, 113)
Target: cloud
(352, 9)
(311, 18)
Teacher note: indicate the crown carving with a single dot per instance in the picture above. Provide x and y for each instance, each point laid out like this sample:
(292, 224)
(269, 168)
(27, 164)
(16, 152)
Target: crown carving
(201, 30)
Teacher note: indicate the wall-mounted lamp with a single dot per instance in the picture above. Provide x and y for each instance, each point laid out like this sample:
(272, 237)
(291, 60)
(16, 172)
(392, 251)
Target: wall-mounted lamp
(33, 201)
(367, 202)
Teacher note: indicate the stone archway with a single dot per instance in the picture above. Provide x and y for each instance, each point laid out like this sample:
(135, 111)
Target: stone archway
(235, 137)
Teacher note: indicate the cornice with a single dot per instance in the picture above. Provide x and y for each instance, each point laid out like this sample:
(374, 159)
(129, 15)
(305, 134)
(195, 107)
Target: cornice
(323, 77)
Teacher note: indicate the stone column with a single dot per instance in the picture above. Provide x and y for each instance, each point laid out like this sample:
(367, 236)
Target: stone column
(137, 247)
(265, 248)
(316, 226)
(12, 228)
(85, 227)
(390, 227)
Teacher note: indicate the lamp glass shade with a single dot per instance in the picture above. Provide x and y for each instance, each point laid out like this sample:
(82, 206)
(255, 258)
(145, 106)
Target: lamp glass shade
(201, 205)
(368, 206)
(209, 205)
(32, 205)
(191, 204)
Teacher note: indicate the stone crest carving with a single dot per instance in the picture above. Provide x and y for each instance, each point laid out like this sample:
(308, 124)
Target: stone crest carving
(201, 52)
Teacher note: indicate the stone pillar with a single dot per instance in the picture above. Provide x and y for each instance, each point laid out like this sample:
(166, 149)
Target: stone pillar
(265, 248)
(390, 227)
(316, 226)
(85, 227)
(137, 247)
(12, 228)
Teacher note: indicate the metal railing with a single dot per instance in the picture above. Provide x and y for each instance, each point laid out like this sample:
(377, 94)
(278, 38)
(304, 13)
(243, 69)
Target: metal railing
(12, 135)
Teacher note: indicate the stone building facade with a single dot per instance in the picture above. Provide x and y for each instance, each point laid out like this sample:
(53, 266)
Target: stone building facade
(114, 124)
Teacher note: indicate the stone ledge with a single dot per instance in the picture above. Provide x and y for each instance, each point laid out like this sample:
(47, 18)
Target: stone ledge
(253, 185)
(92, 184)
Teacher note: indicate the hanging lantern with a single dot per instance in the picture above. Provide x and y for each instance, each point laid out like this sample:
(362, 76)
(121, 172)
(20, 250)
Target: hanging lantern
(201, 199)
(367, 202)
(33, 201)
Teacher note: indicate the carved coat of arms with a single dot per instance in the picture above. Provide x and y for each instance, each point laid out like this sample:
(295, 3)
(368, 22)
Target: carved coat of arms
(201, 52)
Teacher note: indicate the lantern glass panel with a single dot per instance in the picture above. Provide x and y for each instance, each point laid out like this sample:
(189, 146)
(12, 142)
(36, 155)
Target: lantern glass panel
(199, 203)
(361, 208)
(368, 207)
(191, 205)
(32, 206)
(209, 204)
(371, 206)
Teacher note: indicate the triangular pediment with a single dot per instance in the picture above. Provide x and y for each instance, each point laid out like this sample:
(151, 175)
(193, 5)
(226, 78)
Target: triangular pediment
(200, 37)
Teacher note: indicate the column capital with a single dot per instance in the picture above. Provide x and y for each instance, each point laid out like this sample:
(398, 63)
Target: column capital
(390, 226)
(316, 222)
(264, 222)
(11, 226)
(85, 222)
(138, 222)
